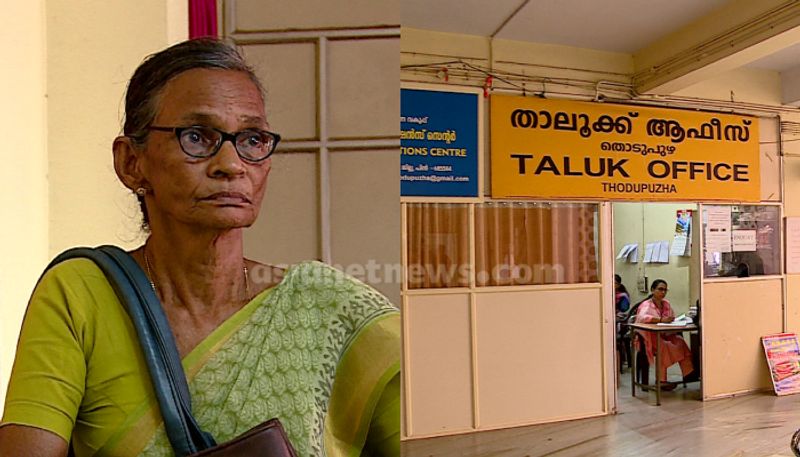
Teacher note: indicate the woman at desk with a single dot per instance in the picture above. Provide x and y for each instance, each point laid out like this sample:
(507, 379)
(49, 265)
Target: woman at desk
(673, 347)
(622, 301)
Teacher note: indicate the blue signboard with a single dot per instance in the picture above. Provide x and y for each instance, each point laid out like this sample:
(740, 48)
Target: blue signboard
(438, 143)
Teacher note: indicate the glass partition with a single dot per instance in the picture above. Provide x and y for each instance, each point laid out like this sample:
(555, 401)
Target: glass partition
(741, 240)
(438, 245)
(523, 243)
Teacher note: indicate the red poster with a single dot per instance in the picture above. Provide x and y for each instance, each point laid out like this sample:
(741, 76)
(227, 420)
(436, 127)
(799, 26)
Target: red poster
(783, 357)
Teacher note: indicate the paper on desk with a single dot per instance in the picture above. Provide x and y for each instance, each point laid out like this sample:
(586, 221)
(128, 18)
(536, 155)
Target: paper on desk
(679, 321)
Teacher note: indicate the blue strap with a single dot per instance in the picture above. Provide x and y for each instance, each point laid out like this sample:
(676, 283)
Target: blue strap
(158, 344)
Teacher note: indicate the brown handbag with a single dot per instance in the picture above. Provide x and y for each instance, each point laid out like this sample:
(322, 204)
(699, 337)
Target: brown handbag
(267, 439)
(164, 364)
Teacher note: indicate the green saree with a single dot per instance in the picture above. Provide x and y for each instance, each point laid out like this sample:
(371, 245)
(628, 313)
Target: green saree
(320, 351)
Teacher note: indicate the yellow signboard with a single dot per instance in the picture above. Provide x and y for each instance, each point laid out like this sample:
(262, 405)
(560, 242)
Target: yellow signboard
(569, 149)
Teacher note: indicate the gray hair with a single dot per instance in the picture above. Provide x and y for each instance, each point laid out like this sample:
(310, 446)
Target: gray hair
(158, 69)
(147, 82)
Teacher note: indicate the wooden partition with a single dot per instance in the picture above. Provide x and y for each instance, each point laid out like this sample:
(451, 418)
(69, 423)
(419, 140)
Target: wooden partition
(491, 358)
(438, 369)
(539, 356)
(735, 315)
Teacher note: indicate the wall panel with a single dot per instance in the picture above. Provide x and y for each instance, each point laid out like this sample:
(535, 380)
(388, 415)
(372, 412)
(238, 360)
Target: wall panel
(279, 15)
(364, 86)
(736, 314)
(288, 72)
(439, 387)
(287, 229)
(361, 180)
(539, 356)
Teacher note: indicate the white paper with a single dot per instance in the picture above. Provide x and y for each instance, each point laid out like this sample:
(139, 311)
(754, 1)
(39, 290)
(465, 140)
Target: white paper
(743, 240)
(623, 252)
(648, 253)
(663, 252)
(633, 255)
(718, 229)
(678, 245)
(793, 244)
(679, 321)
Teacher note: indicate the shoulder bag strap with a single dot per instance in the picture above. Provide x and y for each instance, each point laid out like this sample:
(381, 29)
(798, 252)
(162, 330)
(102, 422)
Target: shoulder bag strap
(158, 344)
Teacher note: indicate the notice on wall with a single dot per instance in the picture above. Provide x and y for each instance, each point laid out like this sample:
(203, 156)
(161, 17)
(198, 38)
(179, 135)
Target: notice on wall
(793, 245)
(783, 358)
(439, 143)
(656, 252)
(563, 148)
(648, 253)
(679, 245)
(718, 229)
(629, 252)
(682, 243)
(743, 240)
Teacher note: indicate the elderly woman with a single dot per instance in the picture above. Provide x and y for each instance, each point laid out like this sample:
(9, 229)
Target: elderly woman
(673, 347)
(310, 346)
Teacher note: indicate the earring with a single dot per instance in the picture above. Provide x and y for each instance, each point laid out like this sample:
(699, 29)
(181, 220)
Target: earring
(141, 191)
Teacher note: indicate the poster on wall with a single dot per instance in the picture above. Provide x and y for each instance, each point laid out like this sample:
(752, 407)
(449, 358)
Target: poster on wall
(783, 358)
(569, 149)
(682, 242)
(438, 143)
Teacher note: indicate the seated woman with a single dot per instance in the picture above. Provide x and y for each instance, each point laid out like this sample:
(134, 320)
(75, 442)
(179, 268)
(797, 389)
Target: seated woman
(673, 347)
(622, 305)
(622, 301)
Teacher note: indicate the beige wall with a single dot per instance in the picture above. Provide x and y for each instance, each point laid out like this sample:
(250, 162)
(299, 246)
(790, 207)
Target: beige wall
(486, 360)
(23, 179)
(333, 96)
(91, 53)
(736, 314)
(71, 62)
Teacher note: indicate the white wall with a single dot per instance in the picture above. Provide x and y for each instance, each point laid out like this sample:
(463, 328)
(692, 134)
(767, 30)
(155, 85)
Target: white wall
(92, 49)
(23, 185)
(62, 98)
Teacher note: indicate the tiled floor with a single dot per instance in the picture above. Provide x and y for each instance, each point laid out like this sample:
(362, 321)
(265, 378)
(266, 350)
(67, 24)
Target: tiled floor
(748, 426)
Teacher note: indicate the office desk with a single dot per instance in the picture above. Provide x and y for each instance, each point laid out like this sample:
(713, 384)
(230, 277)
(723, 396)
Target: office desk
(658, 329)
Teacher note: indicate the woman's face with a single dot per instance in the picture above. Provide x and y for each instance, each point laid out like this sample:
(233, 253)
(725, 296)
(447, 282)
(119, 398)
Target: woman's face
(660, 291)
(219, 192)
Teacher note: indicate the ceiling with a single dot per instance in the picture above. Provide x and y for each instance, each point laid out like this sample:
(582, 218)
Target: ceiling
(622, 26)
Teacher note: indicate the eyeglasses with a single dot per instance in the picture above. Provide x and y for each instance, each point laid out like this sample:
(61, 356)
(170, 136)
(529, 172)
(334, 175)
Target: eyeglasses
(662, 289)
(252, 145)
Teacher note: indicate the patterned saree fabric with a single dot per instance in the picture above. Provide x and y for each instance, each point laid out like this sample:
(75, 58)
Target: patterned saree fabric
(320, 351)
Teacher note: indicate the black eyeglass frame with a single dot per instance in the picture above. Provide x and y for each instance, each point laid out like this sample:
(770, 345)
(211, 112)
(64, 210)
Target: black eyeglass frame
(224, 136)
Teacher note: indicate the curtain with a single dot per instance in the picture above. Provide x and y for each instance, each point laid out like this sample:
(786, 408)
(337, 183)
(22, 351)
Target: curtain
(519, 243)
(525, 243)
(438, 245)
(202, 18)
